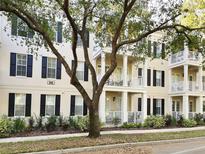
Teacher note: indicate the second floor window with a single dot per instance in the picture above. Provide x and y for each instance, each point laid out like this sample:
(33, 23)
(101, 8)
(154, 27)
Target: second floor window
(158, 78)
(80, 71)
(51, 72)
(21, 64)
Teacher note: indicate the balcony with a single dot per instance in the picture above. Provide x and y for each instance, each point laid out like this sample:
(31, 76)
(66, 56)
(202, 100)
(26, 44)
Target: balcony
(134, 117)
(183, 56)
(111, 82)
(178, 86)
(135, 83)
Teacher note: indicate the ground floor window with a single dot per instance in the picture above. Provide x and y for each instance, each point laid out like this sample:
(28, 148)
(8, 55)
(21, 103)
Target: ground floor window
(78, 106)
(158, 107)
(50, 105)
(20, 104)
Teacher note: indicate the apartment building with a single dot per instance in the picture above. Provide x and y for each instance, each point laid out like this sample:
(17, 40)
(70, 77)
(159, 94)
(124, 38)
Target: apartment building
(37, 84)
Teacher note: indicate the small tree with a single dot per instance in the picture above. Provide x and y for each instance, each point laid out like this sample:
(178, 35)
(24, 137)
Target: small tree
(123, 22)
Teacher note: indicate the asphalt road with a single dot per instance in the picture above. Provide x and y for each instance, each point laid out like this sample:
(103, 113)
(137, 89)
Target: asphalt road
(188, 147)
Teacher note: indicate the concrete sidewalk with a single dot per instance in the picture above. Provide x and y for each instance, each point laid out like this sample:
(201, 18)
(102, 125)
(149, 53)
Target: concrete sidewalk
(47, 137)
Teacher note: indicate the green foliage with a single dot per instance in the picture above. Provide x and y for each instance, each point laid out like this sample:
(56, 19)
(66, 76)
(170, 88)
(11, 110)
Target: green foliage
(155, 122)
(39, 123)
(116, 121)
(6, 127)
(189, 123)
(51, 123)
(131, 125)
(31, 123)
(168, 120)
(19, 125)
(199, 118)
(79, 123)
(174, 121)
(180, 121)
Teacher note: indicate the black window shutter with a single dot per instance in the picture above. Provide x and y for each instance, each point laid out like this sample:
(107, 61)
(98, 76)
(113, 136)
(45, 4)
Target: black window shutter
(59, 32)
(28, 105)
(11, 104)
(58, 70)
(87, 35)
(162, 106)
(154, 106)
(139, 104)
(155, 49)
(29, 65)
(13, 64)
(154, 77)
(163, 51)
(57, 105)
(14, 25)
(139, 72)
(85, 109)
(148, 77)
(72, 105)
(44, 67)
(85, 72)
(148, 106)
(43, 105)
(163, 78)
(149, 48)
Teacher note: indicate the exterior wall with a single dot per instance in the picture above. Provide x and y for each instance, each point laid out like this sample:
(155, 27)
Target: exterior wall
(35, 85)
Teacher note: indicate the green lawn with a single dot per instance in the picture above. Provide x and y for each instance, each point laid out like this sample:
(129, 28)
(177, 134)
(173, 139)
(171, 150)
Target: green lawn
(6, 148)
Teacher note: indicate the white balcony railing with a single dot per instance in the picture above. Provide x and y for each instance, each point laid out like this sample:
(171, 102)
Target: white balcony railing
(182, 56)
(177, 114)
(135, 83)
(192, 115)
(134, 116)
(111, 82)
(178, 86)
(113, 115)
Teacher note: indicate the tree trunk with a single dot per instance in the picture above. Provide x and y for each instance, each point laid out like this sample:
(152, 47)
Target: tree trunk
(94, 126)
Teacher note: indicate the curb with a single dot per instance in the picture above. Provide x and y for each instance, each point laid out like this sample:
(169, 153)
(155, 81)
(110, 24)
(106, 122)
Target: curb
(111, 146)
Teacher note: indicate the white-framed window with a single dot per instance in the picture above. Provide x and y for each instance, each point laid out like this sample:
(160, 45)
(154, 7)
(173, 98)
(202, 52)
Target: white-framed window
(20, 105)
(21, 64)
(22, 28)
(80, 71)
(78, 106)
(50, 105)
(158, 78)
(159, 49)
(158, 107)
(178, 106)
(51, 72)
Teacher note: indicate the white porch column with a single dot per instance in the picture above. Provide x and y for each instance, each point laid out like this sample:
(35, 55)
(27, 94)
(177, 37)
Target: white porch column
(144, 106)
(102, 107)
(169, 105)
(124, 113)
(199, 104)
(124, 70)
(145, 74)
(102, 64)
(186, 72)
(186, 106)
(170, 79)
(200, 78)
(186, 50)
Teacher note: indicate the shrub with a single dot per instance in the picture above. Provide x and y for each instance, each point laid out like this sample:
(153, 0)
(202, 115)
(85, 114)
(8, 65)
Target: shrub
(80, 123)
(198, 118)
(39, 123)
(189, 123)
(131, 125)
(19, 125)
(168, 120)
(116, 121)
(154, 122)
(60, 121)
(174, 121)
(51, 123)
(180, 121)
(6, 127)
(31, 122)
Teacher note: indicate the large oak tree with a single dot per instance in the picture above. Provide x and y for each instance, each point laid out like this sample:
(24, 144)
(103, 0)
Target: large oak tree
(120, 23)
